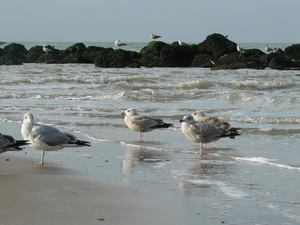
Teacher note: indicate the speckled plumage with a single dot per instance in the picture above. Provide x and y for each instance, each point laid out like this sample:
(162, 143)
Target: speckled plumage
(8, 143)
(203, 133)
(141, 123)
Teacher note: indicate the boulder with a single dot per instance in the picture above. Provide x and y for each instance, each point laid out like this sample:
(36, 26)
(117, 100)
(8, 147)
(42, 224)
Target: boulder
(92, 52)
(117, 59)
(202, 60)
(182, 56)
(216, 45)
(163, 62)
(34, 54)
(78, 47)
(9, 59)
(153, 48)
(293, 51)
(17, 51)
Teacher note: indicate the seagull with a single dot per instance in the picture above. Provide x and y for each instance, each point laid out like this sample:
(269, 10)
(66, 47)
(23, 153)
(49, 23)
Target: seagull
(2, 43)
(8, 143)
(268, 49)
(141, 123)
(118, 43)
(203, 133)
(48, 49)
(153, 36)
(181, 43)
(47, 138)
(200, 117)
(239, 49)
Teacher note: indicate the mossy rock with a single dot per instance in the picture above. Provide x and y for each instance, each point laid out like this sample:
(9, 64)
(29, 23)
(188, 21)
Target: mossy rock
(78, 47)
(153, 48)
(293, 51)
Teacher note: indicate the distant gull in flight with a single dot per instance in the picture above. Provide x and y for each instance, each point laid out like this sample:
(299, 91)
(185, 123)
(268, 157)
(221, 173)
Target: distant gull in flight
(118, 43)
(203, 133)
(268, 49)
(8, 143)
(47, 138)
(141, 123)
(181, 43)
(200, 117)
(239, 49)
(153, 36)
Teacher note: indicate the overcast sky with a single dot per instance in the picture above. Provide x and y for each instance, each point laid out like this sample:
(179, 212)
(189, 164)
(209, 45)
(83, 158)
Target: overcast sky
(254, 21)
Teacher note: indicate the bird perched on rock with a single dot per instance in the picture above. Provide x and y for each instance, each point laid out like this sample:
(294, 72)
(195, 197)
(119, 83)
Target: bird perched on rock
(268, 49)
(154, 36)
(239, 49)
(181, 43)
(203, 133)
(200, 116)
(47, 138)
(8, 143)
(48, 49)
(118, 43)
(141, 123)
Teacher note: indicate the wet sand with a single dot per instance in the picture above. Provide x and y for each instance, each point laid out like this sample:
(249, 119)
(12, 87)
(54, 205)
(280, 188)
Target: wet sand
(60, 193)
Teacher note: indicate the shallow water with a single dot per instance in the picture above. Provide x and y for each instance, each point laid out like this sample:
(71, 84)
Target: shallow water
(258, 169)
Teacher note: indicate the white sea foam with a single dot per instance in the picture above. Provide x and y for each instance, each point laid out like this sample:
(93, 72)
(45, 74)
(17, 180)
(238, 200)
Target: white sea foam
(266, 161)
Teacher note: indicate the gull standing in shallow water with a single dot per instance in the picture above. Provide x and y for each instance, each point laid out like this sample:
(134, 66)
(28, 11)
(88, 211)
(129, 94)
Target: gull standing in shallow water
(154, 36)
(141, 123)
(203, 133)
(118, 43)
(8, 143)
(47, 138)
(200, 117)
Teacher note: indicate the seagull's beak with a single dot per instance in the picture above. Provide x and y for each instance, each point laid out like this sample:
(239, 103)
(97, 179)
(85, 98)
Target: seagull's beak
(180, 121)
(123, 114)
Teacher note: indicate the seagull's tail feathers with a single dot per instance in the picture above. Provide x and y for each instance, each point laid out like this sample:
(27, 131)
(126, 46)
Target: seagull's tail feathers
(81, 143)
(16, 146)
(165, 125)
(234, 130)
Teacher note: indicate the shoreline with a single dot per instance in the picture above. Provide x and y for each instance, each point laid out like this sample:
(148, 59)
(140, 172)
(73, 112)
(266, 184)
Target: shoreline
(65, 192)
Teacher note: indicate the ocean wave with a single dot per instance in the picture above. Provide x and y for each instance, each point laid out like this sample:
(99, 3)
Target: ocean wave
(261, 85)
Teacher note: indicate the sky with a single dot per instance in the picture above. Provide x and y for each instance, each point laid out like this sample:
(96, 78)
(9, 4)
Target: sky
(244, 21)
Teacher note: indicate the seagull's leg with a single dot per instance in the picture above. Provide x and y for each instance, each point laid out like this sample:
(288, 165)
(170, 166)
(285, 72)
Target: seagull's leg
(201, 150)
(42, 159)
(215, 144)
(141, 136)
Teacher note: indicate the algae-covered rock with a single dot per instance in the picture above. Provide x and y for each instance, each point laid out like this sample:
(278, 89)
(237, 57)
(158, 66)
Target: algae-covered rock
(78, 47)
(293, 51)
(153, 48)
(182, 56)
(216, 45)
(18, 51)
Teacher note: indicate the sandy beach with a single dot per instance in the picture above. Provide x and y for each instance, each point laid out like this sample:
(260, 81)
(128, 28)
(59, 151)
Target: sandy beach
(60, 193)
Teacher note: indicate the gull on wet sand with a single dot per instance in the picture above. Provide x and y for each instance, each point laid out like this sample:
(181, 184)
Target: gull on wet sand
(141, 123)
(200, 117)
(47, 138)
(154, 36)
(181, 43)
(203, 133)
(118, 43)
(8, 143)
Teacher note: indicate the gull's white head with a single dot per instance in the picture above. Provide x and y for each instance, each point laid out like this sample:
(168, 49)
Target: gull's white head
(28, 118)
(198, 114)
(130, 112)
(187, 119)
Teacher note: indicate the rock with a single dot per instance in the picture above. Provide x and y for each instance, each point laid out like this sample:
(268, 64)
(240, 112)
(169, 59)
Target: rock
(281, 63)
(9, 59)
(153, 48)
(163, 62)
(17, 51)
(2, 52)
(34, 54)
(117, 59)
(216, 45)
(78, 47)
(231, 61)
(293, 51)
(182, 56)
(92, 52)
(202, 60)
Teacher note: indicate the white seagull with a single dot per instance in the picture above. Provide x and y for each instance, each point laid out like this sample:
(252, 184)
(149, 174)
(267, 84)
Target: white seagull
(153, 36)
(118, 43)
(181, 43)
(141, 123)
(8, 143)
(268, 49)
(47, 138)
(203, 133)
(239, 49)
(47, 49)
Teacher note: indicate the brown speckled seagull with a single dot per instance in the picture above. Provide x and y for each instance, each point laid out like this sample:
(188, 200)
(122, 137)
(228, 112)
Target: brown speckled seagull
(8, 143)
(203, 133)
(141, 123)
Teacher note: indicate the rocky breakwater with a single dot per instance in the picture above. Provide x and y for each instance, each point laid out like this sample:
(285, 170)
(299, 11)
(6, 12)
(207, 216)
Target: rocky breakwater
(215, 52)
